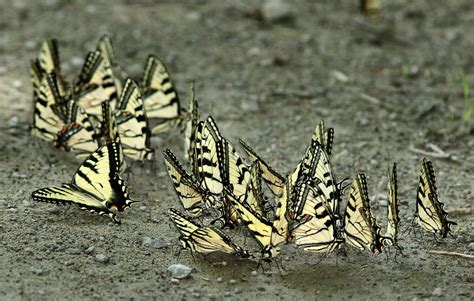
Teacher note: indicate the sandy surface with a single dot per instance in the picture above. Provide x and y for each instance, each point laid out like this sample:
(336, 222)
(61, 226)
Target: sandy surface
(269, 84)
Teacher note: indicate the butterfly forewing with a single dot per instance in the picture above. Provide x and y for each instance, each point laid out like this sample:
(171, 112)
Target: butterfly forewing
(190, 193)
(160, 96)
(274, 180)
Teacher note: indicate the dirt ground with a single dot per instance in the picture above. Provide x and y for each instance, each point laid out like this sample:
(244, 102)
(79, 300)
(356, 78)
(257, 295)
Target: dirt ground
(386, 88)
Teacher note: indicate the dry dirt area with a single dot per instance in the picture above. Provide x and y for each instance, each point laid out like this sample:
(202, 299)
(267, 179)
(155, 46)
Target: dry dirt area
(385, 87)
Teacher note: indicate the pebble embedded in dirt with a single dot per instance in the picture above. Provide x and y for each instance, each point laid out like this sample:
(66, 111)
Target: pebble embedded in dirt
(180, 271)
(89, 250)
(154, 243)
(437, 292)
(102, 258)
(276, 10)
(19, 175)
(37, 271)
(53, 210)
(470, 247)
(174, 281)
(13, 121)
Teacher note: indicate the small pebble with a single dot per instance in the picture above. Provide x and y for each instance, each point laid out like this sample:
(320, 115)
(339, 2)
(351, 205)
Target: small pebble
(437, 292)
(74, 251)
(180, 271)
(102, 258)
(19, 175)
(77, 61)
(237, 290)
(142, 208)
(232, 281)
(37, 271)
(383, 203)
(470, 247)
(196, 295)
(13, 121)
(29, 251)
(12, 210)
(219, 280)
(89, 250)
(254, 273)
(174, 281)
(227, 294)
(30, 44)
(276, 10)
(154, 243)
(224, 263)
(53, 210)
(26, 203)
(17, 83)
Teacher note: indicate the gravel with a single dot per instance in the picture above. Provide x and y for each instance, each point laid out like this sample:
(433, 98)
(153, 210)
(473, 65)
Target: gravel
(180, 271)
(102, 258)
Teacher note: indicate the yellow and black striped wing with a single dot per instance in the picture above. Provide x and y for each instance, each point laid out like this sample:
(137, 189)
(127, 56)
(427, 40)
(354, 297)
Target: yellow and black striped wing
(315, 229)
(78, 135)
(274, 180)
(316, 167)
(191, 195)
(259, 227)
(324, 136)
(393, 212)
(203, 240)
(96, 185)
(211, 155)
(191, 124)
(95, 84)
(99, 176)
(132, 123)
(48, 62)
(159, 93)
(280, 225)
(108, 52)
(254, 195)
(69, 194)
(238, 173)
(430, 211)
(108, 128)
(357, 230)
(48, 117)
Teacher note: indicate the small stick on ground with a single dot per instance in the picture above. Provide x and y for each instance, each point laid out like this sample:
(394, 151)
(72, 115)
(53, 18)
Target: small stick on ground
(437, 153)
(460, 211)
(468, 256)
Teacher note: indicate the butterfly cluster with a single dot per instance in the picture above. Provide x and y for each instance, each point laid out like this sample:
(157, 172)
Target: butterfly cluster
(103, 104)
(225, 189)
(102, 116)
(105, 116)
